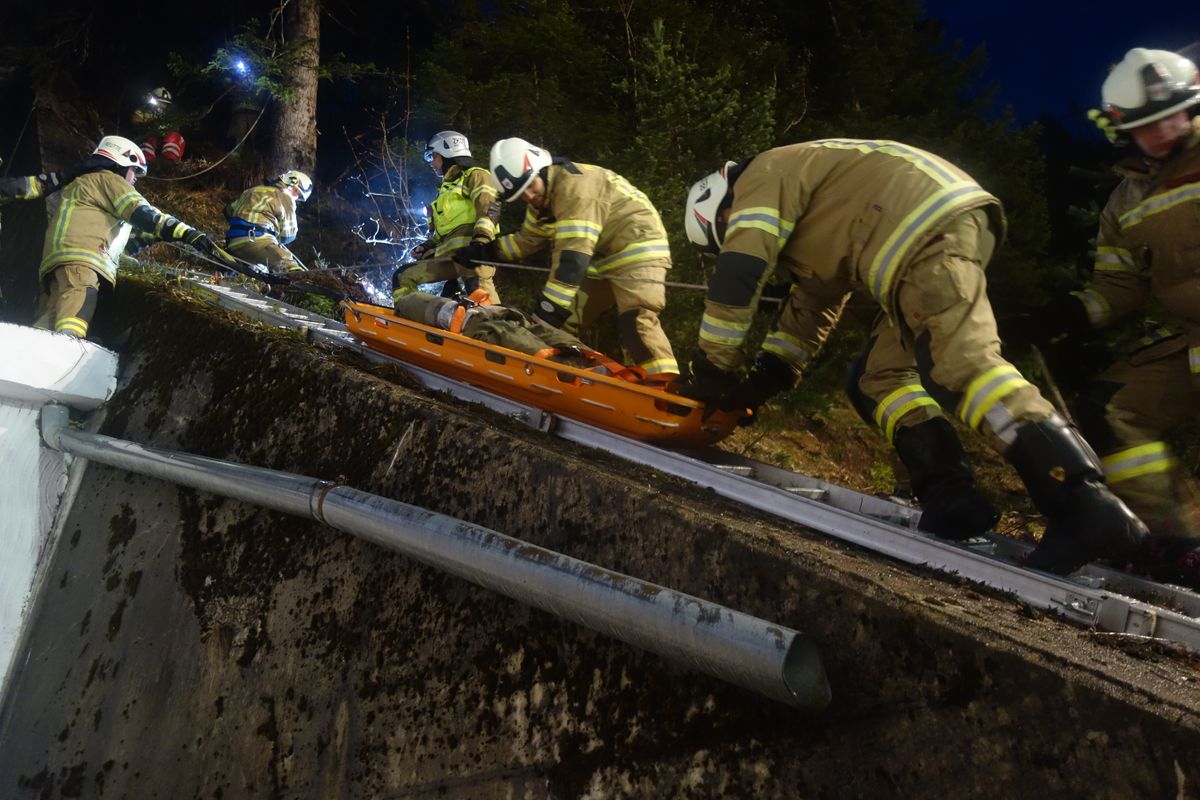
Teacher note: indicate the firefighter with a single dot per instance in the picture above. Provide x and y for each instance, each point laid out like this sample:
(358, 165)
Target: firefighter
(915, 232)
(152, 120)
(262, 221)
(478, 318)
(1146, 253)
(608, 248)
(464, 217)
(98, 211)
(32, 187)
(884, 386)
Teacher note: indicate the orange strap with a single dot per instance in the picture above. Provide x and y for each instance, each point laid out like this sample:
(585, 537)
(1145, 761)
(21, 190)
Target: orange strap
(615, 368)
(456, 321)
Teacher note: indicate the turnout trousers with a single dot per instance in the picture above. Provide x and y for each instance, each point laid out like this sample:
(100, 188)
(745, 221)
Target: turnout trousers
(1125, 413)
(944, 349)
(68, 299)
(639, 294)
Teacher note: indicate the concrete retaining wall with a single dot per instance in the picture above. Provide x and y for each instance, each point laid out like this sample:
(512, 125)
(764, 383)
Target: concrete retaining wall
(189, 646)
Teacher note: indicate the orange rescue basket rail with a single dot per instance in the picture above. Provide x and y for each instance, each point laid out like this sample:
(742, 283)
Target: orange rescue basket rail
(629, 409)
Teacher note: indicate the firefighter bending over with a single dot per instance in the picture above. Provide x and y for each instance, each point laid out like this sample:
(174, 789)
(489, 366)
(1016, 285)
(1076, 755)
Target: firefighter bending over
(263, 220)
(915, 232)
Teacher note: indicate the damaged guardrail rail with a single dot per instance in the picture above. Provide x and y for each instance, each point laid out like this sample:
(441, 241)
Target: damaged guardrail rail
(772, 660)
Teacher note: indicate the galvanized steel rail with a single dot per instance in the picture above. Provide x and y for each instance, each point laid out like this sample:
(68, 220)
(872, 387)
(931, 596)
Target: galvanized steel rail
(1095, 596)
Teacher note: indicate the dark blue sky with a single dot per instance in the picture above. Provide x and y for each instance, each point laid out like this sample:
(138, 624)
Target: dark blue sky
(1046, 56)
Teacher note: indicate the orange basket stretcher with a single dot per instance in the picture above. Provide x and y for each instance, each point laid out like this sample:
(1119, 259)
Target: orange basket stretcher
(614, 404)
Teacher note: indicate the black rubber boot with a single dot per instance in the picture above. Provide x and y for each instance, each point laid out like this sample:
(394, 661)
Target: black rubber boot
(1084, 520)
(951, 506)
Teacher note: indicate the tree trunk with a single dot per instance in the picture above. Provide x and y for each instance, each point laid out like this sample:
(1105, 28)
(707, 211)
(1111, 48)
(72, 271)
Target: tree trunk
(295, 143)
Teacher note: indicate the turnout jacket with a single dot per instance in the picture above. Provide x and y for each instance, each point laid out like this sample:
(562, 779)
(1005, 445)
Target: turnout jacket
(596, 222)
(838, 215)
(466, 210)
(96, 214)
(1148, 249)
(263, 211)
(26, 188)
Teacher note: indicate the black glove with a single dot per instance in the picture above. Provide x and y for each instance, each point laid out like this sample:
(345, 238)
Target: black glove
(475, 251)
(202, 243)
(550, 313)
(770, 376)
(53, 181)
(705, 382)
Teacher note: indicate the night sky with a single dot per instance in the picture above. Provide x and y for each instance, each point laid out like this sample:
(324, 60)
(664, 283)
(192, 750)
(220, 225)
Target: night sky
(1050, 57)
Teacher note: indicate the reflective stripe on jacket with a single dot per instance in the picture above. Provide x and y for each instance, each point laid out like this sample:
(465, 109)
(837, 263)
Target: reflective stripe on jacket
(466, 208)
(1148, 243)
(839, 214)
(268, 207)
(91, 224)
(595, 214)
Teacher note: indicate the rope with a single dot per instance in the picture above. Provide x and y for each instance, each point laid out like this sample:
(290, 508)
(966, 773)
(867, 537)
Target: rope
(20, 136)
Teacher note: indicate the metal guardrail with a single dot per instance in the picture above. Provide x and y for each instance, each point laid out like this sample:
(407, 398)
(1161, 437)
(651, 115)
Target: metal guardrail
(1102, 598)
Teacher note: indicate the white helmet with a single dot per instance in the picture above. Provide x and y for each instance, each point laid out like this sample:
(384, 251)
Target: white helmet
(447, 144)
(122, 152)
(515, 163)
(160, 97)
(703, 205)
(297, 179)
(1147, 86)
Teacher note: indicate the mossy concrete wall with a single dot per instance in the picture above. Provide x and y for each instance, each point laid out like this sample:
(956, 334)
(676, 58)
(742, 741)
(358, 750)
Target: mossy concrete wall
(189, 646)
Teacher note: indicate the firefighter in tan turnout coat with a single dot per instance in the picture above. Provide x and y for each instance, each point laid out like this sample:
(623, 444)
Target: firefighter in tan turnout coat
(915, 233)
(262, 222)
(84, 242)
(609, 247)
(1148, 253)
(464, 216)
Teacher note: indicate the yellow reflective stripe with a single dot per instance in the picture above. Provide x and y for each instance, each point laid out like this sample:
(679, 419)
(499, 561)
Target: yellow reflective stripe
(1194, 360)
(1134, 462)
(912, 228)
(507, 245)
(483, 188)
(1114, 259)
(32, 189)
(921, 160)
(577, 229)
(650, 250)
(1159, 203)
(761, 218)
(629, 190)
(123, 203)
(987, 390)
(892, 408)
(64, 219)
(561, 294)
(74, 325)
(788, 347)
(451, 244)
(485, 226)
(720, 331)
(657, 366)
(1096, 305)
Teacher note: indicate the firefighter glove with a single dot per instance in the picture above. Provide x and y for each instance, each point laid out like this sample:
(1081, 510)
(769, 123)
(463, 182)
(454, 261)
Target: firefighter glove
(475, 251)
(705, 381)
(770, 376)
(550, 313)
